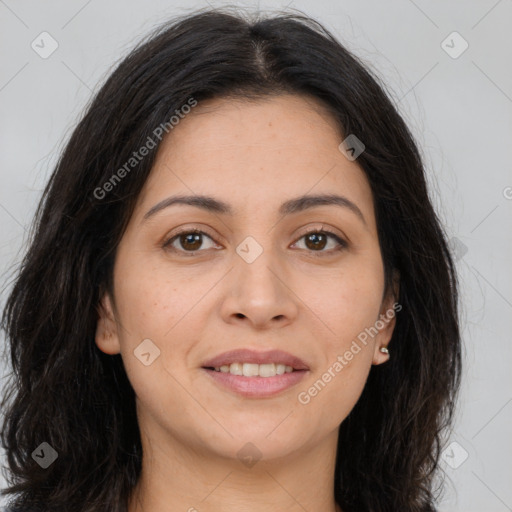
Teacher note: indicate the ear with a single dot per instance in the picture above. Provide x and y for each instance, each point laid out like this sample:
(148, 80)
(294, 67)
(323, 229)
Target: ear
(107, 338)
(387, 321)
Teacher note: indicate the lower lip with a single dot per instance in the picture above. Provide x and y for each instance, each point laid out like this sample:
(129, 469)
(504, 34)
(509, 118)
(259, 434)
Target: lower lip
(257, 387)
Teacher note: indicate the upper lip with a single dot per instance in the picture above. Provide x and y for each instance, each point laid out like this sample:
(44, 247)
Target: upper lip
(244, 355)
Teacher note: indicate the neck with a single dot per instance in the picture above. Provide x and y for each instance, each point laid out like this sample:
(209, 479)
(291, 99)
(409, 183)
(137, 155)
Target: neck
(178, 477)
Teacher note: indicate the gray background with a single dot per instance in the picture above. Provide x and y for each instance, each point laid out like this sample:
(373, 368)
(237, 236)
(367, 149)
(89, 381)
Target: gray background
(460, 110)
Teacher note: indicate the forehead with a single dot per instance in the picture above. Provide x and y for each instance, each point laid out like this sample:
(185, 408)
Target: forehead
(256, 152)
(274, 121)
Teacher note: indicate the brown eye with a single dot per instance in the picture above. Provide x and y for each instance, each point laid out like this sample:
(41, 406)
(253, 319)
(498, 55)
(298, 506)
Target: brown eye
(187, 241)
(190, 242)
(317, 241)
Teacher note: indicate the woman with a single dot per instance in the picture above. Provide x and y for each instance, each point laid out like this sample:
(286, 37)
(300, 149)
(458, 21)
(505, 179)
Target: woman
(238, 294)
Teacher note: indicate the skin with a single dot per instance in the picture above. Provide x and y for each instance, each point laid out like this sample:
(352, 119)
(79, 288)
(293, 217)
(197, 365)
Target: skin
(310, 302)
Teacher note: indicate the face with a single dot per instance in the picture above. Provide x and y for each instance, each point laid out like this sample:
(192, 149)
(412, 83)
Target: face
(304, 278)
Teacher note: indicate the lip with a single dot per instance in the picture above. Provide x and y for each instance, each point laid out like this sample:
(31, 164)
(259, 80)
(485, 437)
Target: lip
(244, 355)
(256, 387)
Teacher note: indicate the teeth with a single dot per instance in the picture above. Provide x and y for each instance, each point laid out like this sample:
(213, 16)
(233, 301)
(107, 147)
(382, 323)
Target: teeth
(236, 369)
(250, 370)
(267, 370)
(255, 370)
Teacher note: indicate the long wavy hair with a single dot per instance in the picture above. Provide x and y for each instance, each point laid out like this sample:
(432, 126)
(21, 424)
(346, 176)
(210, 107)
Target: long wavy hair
(64, 391)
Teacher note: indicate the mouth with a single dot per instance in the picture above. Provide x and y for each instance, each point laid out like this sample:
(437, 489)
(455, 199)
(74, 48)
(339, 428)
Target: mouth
(254, 370)
(256, 374)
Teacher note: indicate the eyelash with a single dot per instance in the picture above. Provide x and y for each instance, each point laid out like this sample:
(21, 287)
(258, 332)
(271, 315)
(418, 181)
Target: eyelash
(342, 243)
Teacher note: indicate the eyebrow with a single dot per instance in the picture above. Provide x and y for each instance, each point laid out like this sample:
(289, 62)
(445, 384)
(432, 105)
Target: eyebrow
(291, 206)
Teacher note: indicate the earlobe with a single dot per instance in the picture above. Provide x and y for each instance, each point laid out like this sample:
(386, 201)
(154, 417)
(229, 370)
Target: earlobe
(387, 322)
(106, 338)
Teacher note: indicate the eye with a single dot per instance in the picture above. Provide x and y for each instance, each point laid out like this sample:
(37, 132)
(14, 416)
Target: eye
(317, 239)
(190, 241)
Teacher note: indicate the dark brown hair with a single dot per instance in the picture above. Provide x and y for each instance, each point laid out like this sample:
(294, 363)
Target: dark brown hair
(66, 392)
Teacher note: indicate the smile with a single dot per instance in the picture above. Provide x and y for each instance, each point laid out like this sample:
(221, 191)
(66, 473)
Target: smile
(255, 370)
(255, 386)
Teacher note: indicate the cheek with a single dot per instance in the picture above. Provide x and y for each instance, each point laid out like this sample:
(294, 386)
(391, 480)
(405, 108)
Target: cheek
(155, 304)
(335, 386)
(162, 305)
(350, 301)
(153, 300)
(349, 306)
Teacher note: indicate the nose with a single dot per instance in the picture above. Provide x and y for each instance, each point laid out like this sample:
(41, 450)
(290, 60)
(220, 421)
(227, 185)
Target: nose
(260, 293)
